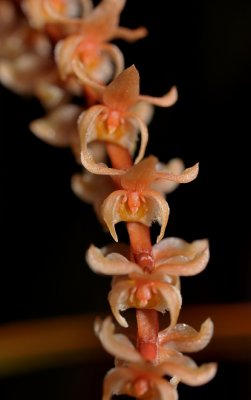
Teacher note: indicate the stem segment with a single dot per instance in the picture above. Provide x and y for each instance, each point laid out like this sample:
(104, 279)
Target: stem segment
(141, 248)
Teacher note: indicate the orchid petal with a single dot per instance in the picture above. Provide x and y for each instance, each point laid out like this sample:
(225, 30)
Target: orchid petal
(111, 264)
(130, 35)
(102, 22)
(65, 51)
(118, 299)
(169, 247)
(53, 16)
(158, 210)
(22, 74)
(50, 94)
(172, 300)
(115, 55)
(110, 211)
(123, 91)
(115, 381)
(165, 101)
(166, 389)
(192, 376)
(188, 175)
(91, 188)
(87, 7)
(177, 257)
(144, 136)
(183, 266)
(87, 131)
(144, 110)
(168, 354)
(174, 166)
(184, 338)
(140, 176)
(59, 128)
(116, 344)
(83, 76)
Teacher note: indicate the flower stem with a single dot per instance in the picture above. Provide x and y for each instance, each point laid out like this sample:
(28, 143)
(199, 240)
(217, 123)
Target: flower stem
(141, 249)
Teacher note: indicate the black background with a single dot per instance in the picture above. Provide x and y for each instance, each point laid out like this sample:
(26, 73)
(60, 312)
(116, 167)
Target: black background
(203, 47)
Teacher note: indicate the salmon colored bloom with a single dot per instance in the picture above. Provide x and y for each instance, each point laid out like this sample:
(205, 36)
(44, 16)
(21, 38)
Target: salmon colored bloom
(93, 189)
(87, 37)
(137, 201)
(59, 127)
(40, 13)
(26, 64)
(136, 377)
(118, 118)
(158, 290)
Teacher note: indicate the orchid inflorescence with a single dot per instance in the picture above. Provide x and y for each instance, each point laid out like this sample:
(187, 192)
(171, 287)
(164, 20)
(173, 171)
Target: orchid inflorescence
(117, 180)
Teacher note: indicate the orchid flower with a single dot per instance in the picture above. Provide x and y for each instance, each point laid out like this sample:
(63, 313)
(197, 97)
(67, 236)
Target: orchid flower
(87, 37)
(26, 64)
(157, 290)
(42, 12)
(117, 119)
(138, 378)
(137, 201)
(92, 188)
(59, 127)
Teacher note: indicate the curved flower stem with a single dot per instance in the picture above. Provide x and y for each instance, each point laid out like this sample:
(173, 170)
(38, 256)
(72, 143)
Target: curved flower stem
(119, 156)
(141, 249)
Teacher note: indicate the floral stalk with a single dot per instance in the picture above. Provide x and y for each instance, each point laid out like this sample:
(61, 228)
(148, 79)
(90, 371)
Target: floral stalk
(123, 185)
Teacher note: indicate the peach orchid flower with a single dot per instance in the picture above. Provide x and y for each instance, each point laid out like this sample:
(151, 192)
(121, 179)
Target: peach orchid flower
(26, 64)
(138, 378)
(137, 201)
(87, 37)
(40, 13)
(118, 117)
(93, 189)
(158, 290)
(59, 127)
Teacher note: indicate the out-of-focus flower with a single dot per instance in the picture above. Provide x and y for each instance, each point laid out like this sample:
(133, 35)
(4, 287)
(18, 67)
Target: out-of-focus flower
(86, 38)
(59, 127)
(8, 16)
(136, 377)
(117, 120)
(159, 290)
(137, 201)
(26, 64)
(42, 13)
(92, 189)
